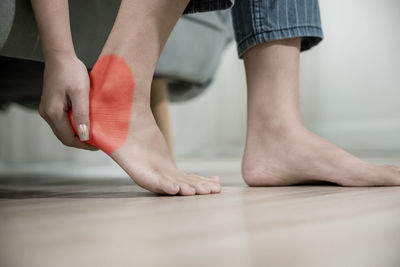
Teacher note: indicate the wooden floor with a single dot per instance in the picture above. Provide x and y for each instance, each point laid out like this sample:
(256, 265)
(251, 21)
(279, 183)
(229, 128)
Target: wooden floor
(111, 222)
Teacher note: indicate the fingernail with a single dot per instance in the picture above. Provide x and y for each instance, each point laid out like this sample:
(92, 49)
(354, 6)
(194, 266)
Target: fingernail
(83, 132)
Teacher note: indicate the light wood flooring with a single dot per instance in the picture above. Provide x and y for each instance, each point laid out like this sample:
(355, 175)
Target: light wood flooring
(112, 222)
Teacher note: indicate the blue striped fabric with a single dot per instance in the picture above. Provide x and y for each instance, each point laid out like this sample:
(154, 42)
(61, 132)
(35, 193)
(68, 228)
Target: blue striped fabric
(258, 21)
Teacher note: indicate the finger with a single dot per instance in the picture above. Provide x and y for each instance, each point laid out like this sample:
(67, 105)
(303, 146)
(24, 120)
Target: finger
(80, 110)
(79, 144)
(62, 128)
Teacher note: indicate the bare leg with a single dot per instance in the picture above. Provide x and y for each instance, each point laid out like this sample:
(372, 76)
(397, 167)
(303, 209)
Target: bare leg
(160, 107)
(138, 36)
(279, 149)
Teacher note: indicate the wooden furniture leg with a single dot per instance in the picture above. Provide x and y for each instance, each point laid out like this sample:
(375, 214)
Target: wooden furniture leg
(160, 107)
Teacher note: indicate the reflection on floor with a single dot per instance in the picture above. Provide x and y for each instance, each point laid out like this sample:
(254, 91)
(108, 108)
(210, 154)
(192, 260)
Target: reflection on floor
(111, 222)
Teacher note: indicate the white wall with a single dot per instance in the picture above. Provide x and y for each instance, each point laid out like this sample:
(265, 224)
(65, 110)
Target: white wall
(350, 93)
(352, 80)
(350, 86)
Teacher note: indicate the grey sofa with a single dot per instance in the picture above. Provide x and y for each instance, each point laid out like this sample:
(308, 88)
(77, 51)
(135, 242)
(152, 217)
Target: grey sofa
(189, 59)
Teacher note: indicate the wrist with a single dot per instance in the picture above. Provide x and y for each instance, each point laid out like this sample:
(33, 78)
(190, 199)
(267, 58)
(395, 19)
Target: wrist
(58, 55)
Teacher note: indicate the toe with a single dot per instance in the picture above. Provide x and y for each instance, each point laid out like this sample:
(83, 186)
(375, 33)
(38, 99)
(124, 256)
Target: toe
(394, 167)
(203, 185)
(202, 189)
(186, 190)
(216, 185)
(216, 179)
(393, 175)
(208, 181)
(385, 176)
(375, 175)
(215, 188)
(169, 187)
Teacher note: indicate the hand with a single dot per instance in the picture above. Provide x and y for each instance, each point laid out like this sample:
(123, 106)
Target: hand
(66, 85)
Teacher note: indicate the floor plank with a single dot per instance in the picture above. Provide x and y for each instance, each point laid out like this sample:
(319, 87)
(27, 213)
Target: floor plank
(111, 222)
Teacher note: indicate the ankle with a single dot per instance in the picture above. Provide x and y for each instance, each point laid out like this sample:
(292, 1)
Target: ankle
(141, 54)
(141, 69)
(276, 127)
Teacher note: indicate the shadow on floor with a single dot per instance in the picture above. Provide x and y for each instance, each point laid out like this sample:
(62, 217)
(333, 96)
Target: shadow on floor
(24, 194)
(64, 187)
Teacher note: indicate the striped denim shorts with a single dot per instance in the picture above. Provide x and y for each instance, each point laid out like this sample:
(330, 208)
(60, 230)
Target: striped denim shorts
(259, 21)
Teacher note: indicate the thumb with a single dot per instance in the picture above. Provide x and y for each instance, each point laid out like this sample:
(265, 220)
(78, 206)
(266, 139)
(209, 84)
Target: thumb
(79, 114)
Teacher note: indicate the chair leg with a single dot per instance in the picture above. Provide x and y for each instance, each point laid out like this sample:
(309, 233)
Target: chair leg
(160, 107)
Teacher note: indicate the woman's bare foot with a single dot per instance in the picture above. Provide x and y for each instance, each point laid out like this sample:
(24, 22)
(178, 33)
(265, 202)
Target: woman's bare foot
(279, 149)
(296, 156)
(123, 126)
(146, 158)
(134, 45)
